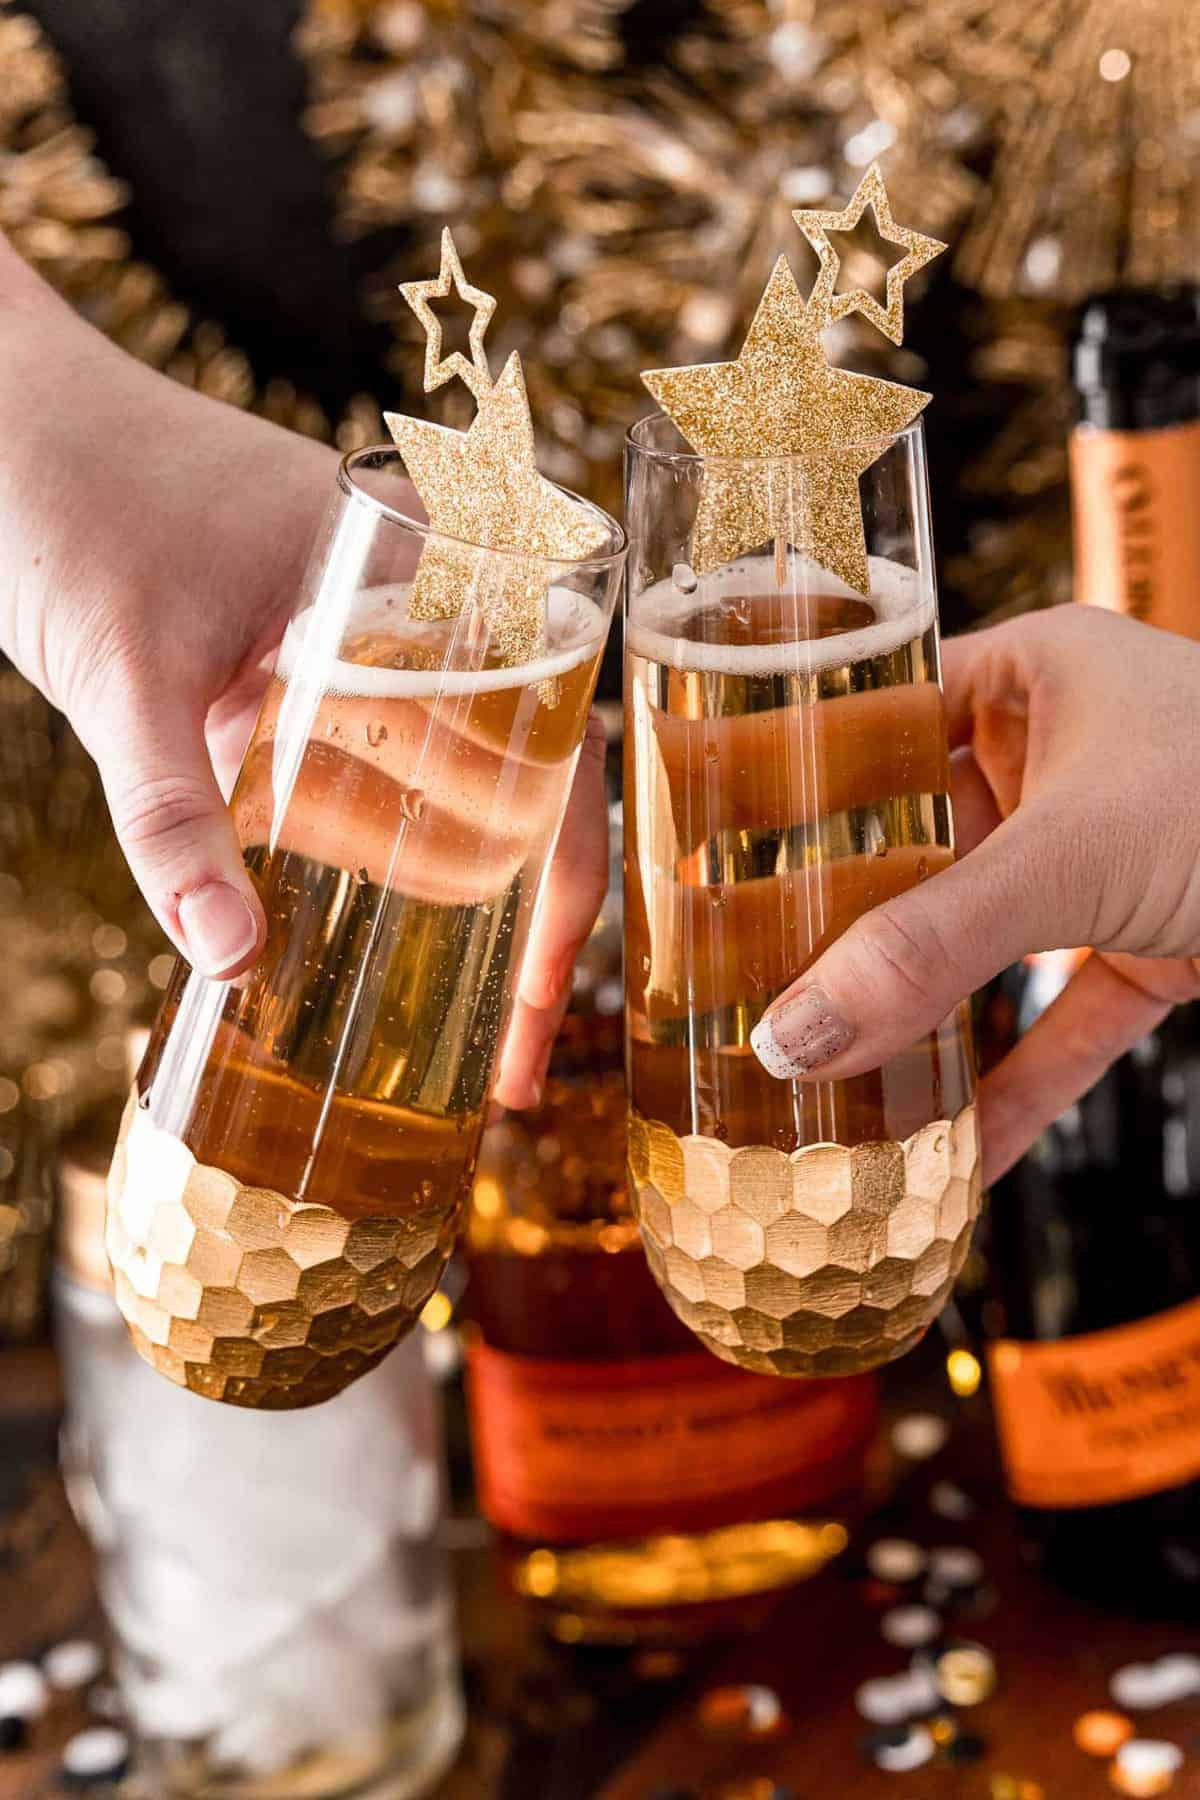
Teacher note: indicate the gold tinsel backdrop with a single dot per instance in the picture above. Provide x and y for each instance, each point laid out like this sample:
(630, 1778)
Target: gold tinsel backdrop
(621, 174)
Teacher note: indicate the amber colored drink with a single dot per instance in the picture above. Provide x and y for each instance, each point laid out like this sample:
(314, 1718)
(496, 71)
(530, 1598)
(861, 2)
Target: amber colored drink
(325, 1113)
(769, 804)
(786, 771)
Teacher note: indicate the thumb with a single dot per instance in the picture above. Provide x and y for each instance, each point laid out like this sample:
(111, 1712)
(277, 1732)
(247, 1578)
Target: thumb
(899, 970)
(178, 836)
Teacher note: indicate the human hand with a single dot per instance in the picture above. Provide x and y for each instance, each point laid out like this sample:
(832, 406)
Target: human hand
(154, 543)
(1075, 768)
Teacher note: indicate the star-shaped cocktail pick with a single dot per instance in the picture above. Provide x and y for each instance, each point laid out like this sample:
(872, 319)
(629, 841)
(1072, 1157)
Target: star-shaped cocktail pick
(482, 490)
(781, 399)
(815, 224)
(475, 374)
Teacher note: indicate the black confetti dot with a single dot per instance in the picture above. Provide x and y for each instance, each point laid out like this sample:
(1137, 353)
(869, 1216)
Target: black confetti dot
(965, 1747)
(13, 1734)
(888, 1737)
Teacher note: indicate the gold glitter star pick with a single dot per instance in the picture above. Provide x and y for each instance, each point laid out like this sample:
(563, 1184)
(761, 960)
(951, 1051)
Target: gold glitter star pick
(438, 369)
(815, 224)
(482, 490)
(781, 399)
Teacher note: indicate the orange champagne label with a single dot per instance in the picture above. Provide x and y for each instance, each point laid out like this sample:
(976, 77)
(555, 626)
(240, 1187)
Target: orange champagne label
(1101, 1417)
(568, 1451)
(1137, 523)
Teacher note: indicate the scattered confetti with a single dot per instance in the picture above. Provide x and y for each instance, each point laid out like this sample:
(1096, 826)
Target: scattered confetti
(956, 1567)
(964, 1373)
(915, 1748)
(1145, 1766)
(919, 1436)
(73, 1664)
(24, 1692)
(98, 1754)
(891, 1699)
(896, 1560)
(750, 1711)
(949, 1501)
(13, 1733)
(1101, 1733)
(1145, 1685)
(966, 1675)
(910, 1626)
(965, 1746)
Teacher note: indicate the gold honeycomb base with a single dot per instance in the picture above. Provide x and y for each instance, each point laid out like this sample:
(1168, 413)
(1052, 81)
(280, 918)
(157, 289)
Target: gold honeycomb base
(243, 1295)
(827, 1261)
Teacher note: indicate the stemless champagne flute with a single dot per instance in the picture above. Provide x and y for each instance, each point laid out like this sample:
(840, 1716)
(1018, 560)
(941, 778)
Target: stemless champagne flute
(300, 1143)
(786, 770)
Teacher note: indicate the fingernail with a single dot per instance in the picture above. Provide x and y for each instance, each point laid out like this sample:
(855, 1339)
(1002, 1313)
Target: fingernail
(800, 1035)
(218, 927)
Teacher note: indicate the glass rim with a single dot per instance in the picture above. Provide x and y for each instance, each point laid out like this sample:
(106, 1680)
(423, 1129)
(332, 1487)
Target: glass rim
(349, 483)
(886, 440)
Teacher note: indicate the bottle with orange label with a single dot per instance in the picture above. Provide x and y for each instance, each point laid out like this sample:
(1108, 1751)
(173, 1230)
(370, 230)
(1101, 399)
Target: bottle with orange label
(643, 1490)
(1096, 1235)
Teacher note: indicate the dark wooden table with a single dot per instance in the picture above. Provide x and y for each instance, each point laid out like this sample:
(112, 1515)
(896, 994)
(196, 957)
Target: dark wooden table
(552, 1724)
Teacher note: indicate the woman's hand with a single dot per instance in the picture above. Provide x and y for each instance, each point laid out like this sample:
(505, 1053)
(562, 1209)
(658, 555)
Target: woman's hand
(153, 546)
(1075, 776)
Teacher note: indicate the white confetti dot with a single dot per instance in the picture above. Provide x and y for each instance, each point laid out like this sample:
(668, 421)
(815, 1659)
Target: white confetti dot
(101, 1750)
(23, 1691)
(73, 1664)
(891, 1699)
(919, 1436)
(910, 1626)
(916, 1749)
(956, 1566)
(1140, 1686)
(1148, 1759)
(896, 1559)
(948, 1501)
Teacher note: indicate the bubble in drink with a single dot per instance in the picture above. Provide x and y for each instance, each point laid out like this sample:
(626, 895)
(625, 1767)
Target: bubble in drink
(285, 1205)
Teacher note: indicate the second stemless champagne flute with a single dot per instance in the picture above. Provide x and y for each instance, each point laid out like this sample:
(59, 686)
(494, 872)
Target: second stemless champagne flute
(300, 1143)
(786, 770)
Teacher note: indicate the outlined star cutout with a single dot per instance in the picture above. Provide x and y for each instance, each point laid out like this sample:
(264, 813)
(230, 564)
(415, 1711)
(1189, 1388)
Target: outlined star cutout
(481, 488)
(482, 491)
(439, 369)
(781, 399)
(815, 224)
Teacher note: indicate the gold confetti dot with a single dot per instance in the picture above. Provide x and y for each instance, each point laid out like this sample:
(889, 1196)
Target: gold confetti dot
(1101, 1733)
(538, 1574)
(964, 1373)
(966, 1676)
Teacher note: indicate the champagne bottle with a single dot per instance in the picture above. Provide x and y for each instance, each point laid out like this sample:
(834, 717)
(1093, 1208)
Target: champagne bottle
(1096, 1234)
(643, 1491)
